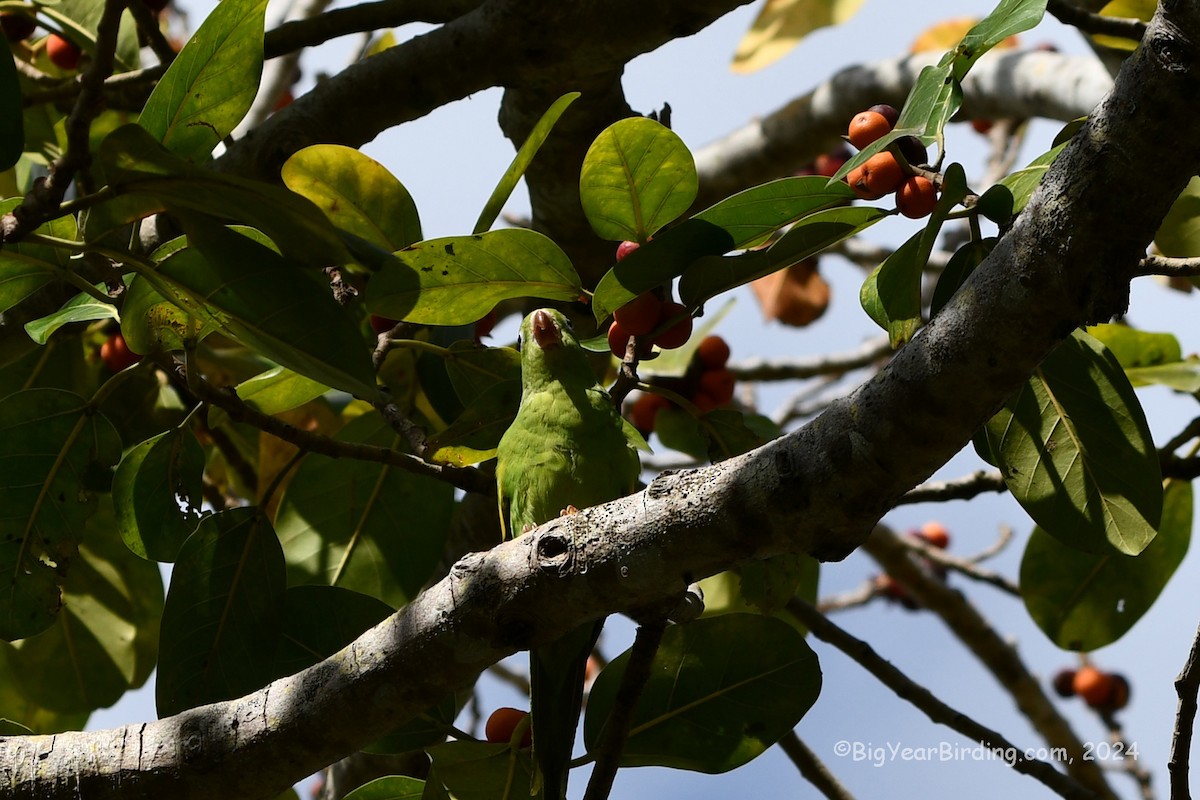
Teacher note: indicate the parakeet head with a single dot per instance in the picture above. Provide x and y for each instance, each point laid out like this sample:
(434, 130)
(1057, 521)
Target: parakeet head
(549, 349)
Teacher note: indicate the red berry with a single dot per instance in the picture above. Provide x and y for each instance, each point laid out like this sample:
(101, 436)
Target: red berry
(381, 324)
(1118, 698)
(705, 402)
(1064, 683)
(503, 723)
(644, 411)
(625, 248)
(640, 315)
(285, 100)
(678, 334)
(63, 54)
(866, 127)
(913, 151)
(982, 125)
(713, 352)
(484, 326)
(718, 384)
(618, 341)
(935, 533)
(116, 355)
(17, 27)
(916, 197)
(1092, 685)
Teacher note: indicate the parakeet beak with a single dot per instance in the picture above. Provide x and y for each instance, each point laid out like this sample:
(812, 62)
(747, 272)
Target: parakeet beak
(545, 330)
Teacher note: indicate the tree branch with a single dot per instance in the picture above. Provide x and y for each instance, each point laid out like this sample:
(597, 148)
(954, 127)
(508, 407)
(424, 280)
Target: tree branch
(1187, 684)
(811, 767)
(1088, 22)
(935, 709)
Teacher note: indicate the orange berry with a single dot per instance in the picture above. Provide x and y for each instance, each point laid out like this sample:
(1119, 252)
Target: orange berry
(1092, 685)
(285, 100)
(63, 53)
(116, 355)
(718, 384)
(866, 127)
(625, 248)
(678, 334)
(916, 197)
(935, 533)
(713, 352)
(640, 315)
(879, 175)
(503, 723)
(1118, 698)
(705, 402)
(887, 586)
(828, 164)
(591, 669)
(644, 411)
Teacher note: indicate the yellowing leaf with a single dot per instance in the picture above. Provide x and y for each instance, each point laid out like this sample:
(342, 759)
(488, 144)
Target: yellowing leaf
(947, 33)
(1128, 9)
(780, 26)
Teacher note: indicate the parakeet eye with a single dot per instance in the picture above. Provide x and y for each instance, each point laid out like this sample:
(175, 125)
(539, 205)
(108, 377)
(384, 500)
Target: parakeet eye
(569, 325)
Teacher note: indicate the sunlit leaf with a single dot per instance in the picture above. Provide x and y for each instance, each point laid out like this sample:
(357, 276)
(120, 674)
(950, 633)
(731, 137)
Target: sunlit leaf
(157, 494)
(1076, 452)
(637, 176)
(459, 279)
(781, 24)
(211, 84)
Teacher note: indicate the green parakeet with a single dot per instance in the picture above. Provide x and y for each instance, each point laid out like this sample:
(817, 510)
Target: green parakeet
(568, 446)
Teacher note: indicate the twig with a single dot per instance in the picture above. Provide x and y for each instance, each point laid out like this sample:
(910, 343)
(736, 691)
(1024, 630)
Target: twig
(966, 566)
(1189, 432)
(812, 768)
(147, 24)
(956, 489)
(298, 34)
(466, 478)
(1072, 15)
(1171, 267)
(760, 369)
(517, 680)
(996, 654)
(854, 598)
(924, 700)
(616, 728)
(1187, 685)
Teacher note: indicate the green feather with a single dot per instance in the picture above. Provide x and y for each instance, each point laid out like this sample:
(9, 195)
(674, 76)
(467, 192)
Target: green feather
(567, 447)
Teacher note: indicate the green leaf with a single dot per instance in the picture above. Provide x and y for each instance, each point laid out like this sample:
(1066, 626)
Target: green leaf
(891, 295)
(25, 268)
(1134, 348)
(256, 296)
(12, 120)
(151, 323)
(55, 446)
(392, 787)
(1084, 601)
(1076, 452)
(20, 714)
(721, 691)
(736, 222)
(157, 494)
(482, 771)
(150, 179)
(320, 620)
(637, 176)
(475, 434)
(1179, 234)
(709, 276)
(105, 640)
(363, 526)
(961, 265)
(211, 84)
(80, 308)
(474, 369)
(1183, 376)
(278, 390)
(224, 609)
(1022, 182)
(521, 162)
(357, 194)
(459, 279)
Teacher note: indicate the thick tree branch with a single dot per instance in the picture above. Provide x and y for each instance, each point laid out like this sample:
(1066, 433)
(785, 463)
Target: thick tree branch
(1187, 685)
(498, 43)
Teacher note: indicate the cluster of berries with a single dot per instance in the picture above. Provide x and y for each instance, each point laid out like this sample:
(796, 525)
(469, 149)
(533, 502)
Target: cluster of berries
(708, 384)
(62, 52)
(931, 533)
(645, 314)
(882, 173)
(1103, 691)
